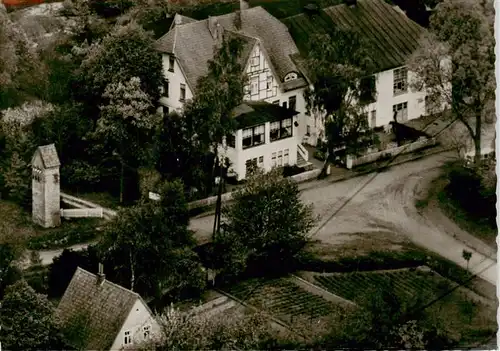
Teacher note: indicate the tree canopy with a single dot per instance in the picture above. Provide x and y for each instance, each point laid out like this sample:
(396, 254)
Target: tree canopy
(27, 320)
(148, 245)
(267, 226)
(340, 68)
(456, 61)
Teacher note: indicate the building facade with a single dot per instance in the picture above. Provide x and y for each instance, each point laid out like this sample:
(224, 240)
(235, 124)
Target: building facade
(266, 58)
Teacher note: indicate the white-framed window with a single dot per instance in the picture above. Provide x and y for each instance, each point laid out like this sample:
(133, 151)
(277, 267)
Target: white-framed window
(281, 129)
(171, 63)
(254, 85)
(286, 157)
(260, 163)
(146, 330)
(251, 165)
(127, 339)
(373, 116)
(400, 112)
(254, 136)
(166, 87)
(292, 102)
(273, 159)
(280, 158)
(269, 82)
(183, 92)
(400, 81)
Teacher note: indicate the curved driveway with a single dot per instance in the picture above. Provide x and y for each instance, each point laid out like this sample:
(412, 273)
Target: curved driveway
(385, 202)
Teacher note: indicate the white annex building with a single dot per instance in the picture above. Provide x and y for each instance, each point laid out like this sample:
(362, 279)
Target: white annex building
(392, 37)
(270, 58)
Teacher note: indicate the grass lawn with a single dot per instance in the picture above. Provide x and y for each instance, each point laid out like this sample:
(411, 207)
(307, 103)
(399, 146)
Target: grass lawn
(16, 227)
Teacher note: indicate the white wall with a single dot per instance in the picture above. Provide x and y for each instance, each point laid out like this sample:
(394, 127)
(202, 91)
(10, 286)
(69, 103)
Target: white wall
(138, 318)
(239, 156)
(385, 100)
(175, 79)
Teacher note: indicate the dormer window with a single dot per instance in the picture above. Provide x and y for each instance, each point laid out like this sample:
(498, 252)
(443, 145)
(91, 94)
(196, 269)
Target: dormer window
(291, 76)
(171, 63)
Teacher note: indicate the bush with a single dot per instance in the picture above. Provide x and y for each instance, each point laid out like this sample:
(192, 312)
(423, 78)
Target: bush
(289, 171)
(466, 188)
(319, 155)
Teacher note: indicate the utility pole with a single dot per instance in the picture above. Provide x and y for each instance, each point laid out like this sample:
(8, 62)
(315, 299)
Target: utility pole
(218, 207)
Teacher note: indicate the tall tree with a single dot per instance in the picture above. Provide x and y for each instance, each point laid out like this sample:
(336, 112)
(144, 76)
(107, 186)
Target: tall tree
(22, 74)
(456, 61)
(125, 124)
(340, 68)
(125, 53)
(145, 243)
(267, 226)
(27, 320)
(209, 113)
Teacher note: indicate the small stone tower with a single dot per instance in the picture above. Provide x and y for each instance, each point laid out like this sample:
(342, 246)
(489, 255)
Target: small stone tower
(46, 186)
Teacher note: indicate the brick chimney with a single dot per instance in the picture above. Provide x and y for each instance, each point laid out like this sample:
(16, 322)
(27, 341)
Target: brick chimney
(100, 275)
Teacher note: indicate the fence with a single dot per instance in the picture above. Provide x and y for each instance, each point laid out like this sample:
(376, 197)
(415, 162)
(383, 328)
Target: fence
(82, 212)
(209, 201)
(390, 152)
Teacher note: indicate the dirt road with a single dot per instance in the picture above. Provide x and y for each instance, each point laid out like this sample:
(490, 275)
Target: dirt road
(385, 203)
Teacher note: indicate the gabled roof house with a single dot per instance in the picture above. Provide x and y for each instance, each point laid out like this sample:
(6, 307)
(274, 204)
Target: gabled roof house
(106, 315)
(268, 48)
(392, 38)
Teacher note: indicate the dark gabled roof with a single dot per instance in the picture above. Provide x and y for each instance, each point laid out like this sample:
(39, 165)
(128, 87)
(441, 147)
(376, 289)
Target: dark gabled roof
(104, 306)
(253, 113)
(391, 36)
(193, 44)
(48, 154)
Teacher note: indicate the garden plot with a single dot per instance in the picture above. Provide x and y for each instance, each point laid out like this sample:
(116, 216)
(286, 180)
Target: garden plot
(407, 283)
(285, 300)
(468, 317)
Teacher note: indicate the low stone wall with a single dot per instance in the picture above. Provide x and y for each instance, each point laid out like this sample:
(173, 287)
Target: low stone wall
(408, 148)
(210, 201)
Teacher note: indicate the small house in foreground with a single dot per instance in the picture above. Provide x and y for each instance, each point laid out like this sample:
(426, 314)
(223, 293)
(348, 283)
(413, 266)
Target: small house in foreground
(102, 315)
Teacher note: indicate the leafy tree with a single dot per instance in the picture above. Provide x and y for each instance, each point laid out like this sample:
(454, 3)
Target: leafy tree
(267, 226)
(340, 67)
(387, 320)
(15, 173)
(9, 273)
(225, 332)
(208, 115)
(126, 53)
(22, 75)
(63, 268)
(27, 320)
(178, 156)
(110, 8)
(147, 245)
(456, 61)
(125, 123)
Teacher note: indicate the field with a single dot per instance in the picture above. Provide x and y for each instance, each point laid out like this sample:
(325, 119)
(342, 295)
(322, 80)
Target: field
(407, 283)
(470, 318)
(287, 301)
